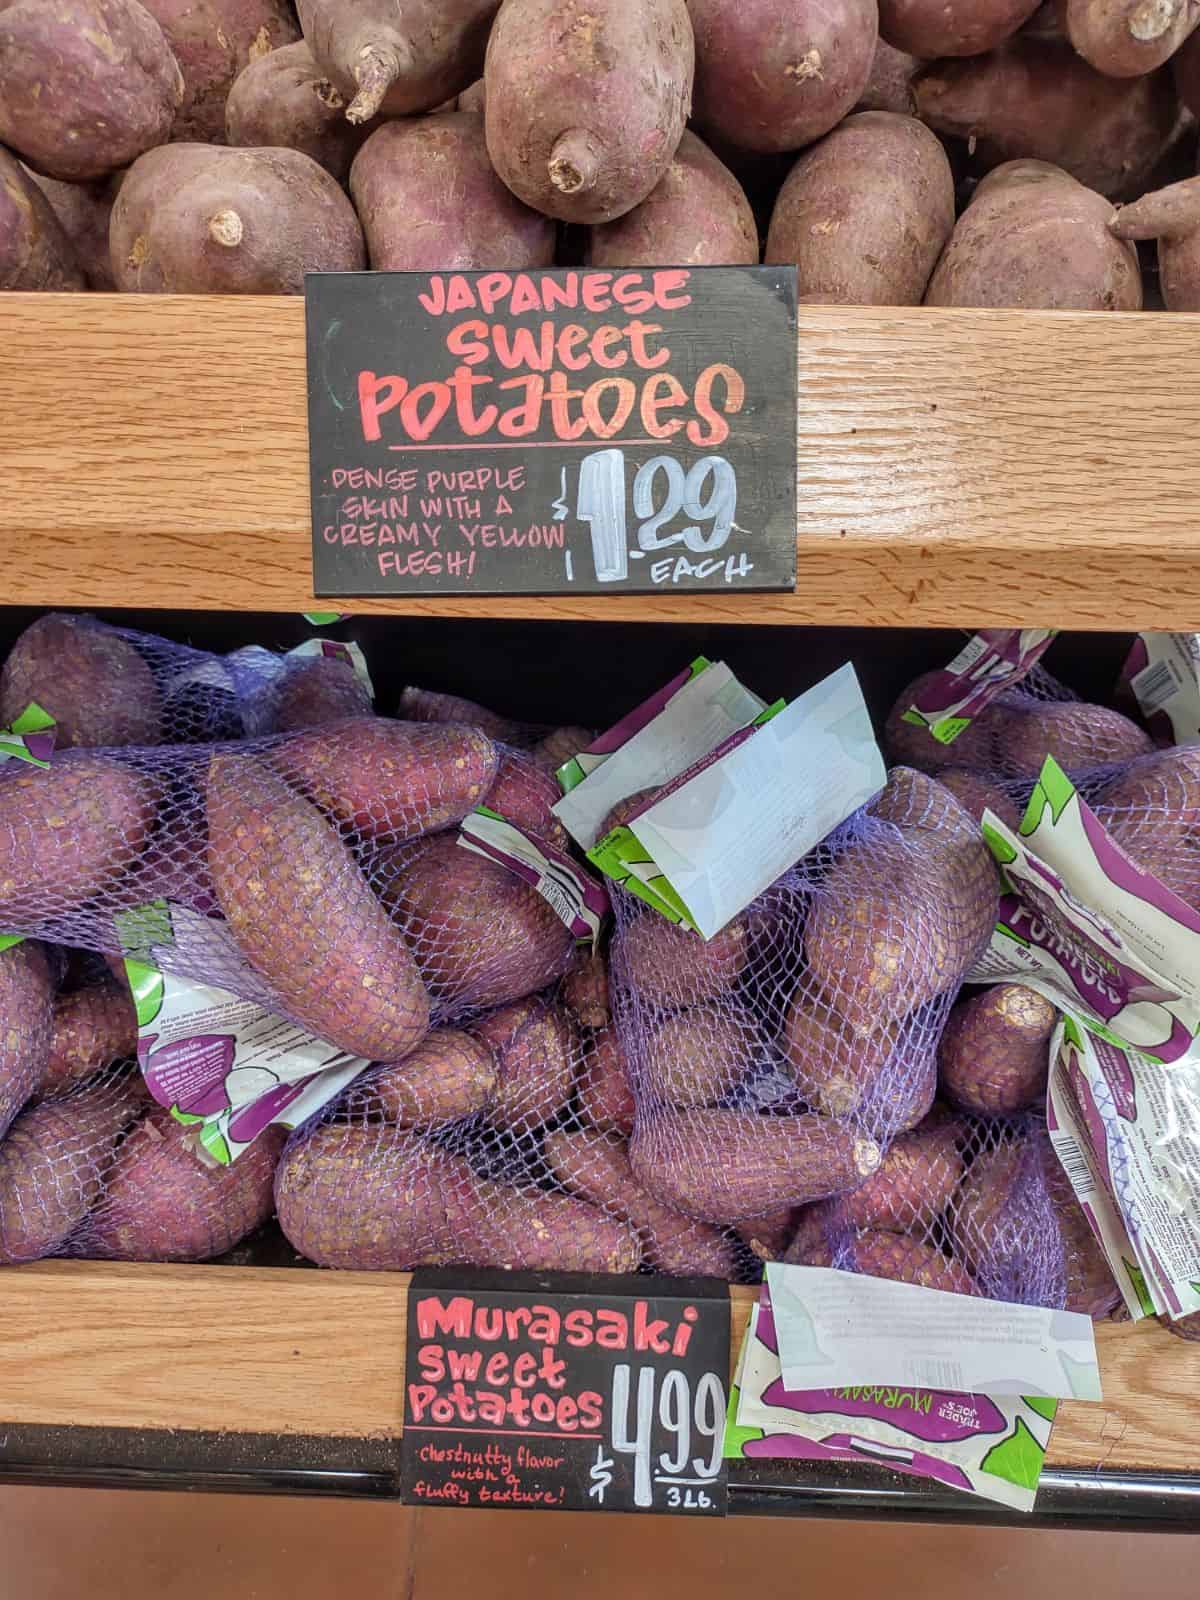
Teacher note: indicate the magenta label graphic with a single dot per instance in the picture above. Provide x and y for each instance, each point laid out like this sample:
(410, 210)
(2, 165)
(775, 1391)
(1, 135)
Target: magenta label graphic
(191, 1073)
(935, 1416)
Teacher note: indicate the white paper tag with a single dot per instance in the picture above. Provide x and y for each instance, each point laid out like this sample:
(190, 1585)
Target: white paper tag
(1136, 1124)
(705, 712)
(727, 834)
(838, 1328)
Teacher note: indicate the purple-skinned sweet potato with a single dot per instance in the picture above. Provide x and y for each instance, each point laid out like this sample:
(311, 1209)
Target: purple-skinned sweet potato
(213, 40)
(894, 1255)
(473, 98)
(1079, 736)
(585, 990)
(560, 745)
(26, 1001)
(889, 87)
(534, 1047)
(699, 1056)
(1126, 38)
(160, 1203)
(378, 1200)
(388, 781)
(449, 1075)
(85, 85)
(525, 794)
(205, 219)
(934, 28)
(95, 683)
(304, 917)
(1033, 238)
(977, 794)
(1185, 69)
(430, 705)
(93, 1027)
(429, 201)
(83, 211)
(1172, 216)
(697, 215)
(671, 966)
(606, 1098)
(598, 1170)
(771, 77)
(865, 214)
(394, 57)
(35, 250)
(315, 690)
(995, 1053)
(586, 105)
(283, 100)
(1037, 101)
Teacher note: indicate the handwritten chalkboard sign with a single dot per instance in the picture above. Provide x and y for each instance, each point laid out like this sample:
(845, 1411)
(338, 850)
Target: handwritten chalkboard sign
(572, 431)
(565, 1392)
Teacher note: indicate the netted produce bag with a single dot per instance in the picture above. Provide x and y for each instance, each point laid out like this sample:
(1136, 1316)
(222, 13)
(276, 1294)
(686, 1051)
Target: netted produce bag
(774, 1064)
(302, 872)
(502, 1142)
(549, 746)
(1150, 808)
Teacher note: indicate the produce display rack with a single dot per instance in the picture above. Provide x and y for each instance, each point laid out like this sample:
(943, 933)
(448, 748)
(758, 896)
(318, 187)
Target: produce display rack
(956, 469)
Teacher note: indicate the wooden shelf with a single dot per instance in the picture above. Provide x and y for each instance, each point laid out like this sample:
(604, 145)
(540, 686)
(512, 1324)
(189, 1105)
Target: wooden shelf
(956, 467)
(290, 1351)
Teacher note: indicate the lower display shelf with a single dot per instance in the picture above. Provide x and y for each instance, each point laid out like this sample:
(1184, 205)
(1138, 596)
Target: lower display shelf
(290, 1380)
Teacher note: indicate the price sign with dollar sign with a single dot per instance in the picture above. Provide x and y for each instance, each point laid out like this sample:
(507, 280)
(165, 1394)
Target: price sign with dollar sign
(565, 1392)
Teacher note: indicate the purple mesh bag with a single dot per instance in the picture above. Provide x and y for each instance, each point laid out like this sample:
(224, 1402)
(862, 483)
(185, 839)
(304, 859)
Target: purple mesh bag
(110, 687)
(1150, 808)
(774, 1064)
(549, 747)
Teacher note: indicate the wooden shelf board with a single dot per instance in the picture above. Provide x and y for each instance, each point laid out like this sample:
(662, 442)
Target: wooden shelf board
(956, 467)
(280, 1350)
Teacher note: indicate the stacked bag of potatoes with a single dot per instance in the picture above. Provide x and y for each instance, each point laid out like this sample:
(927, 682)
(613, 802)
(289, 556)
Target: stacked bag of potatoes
(229, 146)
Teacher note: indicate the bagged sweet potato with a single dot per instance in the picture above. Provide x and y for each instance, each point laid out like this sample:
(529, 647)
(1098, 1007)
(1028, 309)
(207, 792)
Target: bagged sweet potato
(93, 680)
(93, 1027)
(995, 1053)
(776, 78)
(204, 219)
(35, 252)
(448, 1076)
(212, 41)
(26, 998)
(429, 201)
(585, 107)
(284, 100)
(85, 85)
(865, 213)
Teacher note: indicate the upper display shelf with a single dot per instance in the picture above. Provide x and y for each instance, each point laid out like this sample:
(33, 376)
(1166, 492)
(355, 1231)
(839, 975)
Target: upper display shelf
(956, 468)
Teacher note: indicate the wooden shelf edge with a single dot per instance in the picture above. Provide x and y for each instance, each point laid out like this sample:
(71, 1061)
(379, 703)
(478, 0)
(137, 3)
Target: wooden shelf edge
(298, 1351)
(956, 468)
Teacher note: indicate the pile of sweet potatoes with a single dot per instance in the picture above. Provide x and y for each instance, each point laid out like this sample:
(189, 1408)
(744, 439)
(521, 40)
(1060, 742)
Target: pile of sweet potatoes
(896, 151)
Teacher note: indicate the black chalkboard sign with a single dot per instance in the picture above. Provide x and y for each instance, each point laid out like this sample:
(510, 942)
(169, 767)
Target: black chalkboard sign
(565, 1392)
(572, 431)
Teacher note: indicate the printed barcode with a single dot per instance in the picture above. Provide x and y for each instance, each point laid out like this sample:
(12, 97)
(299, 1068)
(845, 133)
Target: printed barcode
(1074, 1164)
(1155, 685)
(968, 655)
(932, 1373)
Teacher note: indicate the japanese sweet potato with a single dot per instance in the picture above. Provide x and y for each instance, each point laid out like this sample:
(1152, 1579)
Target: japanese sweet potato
(388, 781)
(93, 1026)
(161, 1203)
(1126, 38)
(771, 77)
(283, 100)
(977, 794)
(559, 745)
(429, 201)
(912, 745)
(1172, 216)
(303, 916)
(911, 1186)
(585, 990)
(697, 215)
(533, 1045)
(598, 1170)
(314, 690)
(52, 1165)
(397, 56)
(35, 252)
(932, 28)
(430, 705)
(1079, 737)
(586, 105)
(994, 1056)
(85, 85)
(669, 965)
(839, 1069)
(889, 87)
(1185, 68)
(699, 1056)
(905, 1260)
(1034, 239)
(865, 214)
(83, 211)
(768, 1237)
(481, 935)
(605, 1092)
(1152, 811)
(213, 40)
(725, 1166)
(473, 98)
(206, 219)
(26, 999)
(1040, 101)
(985, 1218)
(68, 831)
(525, 794)
(94, 683)
(449, 1075)
(1091, 1289)
(373, 1199)
(810, 1244)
